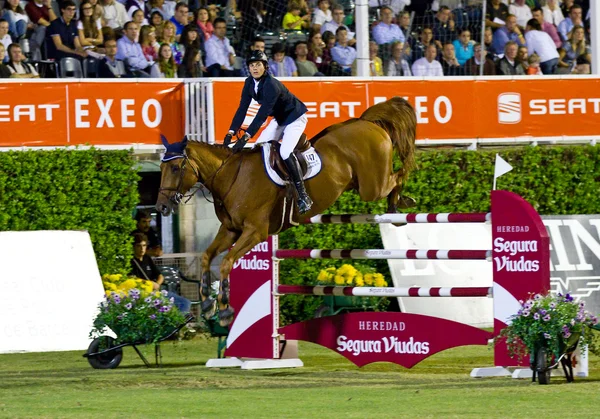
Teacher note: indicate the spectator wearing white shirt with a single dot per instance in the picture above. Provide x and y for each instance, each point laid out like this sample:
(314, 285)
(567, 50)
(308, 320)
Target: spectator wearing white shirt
(386, 32)
(219, 53)
(521, 11)
(342, 53)
(428, 66)
(539, 42)
(552, 12)
(322, 14)
(114, 14)
(396, 5)
(549, 28)
(5, 38)
(336, 22)
(18, 68)
(566, 26)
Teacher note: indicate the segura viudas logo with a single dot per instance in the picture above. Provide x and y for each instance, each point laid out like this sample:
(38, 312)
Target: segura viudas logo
(509, 108)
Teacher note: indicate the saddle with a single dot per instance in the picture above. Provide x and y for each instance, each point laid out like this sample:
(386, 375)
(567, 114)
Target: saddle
(276, 162)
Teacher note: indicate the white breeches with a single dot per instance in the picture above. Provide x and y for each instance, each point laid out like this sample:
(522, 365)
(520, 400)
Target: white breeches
(291, 134)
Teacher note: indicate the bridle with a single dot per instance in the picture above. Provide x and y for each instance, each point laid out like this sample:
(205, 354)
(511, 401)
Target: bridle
(178, 196)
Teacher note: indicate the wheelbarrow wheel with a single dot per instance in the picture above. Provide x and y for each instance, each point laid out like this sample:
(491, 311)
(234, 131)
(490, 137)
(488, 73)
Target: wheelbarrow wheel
(106, 360)
(541, 365)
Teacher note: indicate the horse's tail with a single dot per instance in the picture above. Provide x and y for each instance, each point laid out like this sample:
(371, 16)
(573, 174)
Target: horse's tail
(397, 117)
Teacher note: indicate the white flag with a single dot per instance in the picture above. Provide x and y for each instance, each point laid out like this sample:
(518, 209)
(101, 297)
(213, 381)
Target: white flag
(501, 168)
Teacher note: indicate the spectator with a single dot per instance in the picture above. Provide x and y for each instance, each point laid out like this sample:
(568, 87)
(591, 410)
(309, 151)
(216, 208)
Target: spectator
(463, 47)
(583, 66)
(522, 57)
(510, 32)
(114, 14)
(419, 47)
(131, 6)
(306, 68)
(5, 38)
(138, 17)
(148, 43)
(496, 14)
(257, 44)
(4, 70)
(386, 32)
(40, 13)
(316, 47)
(280, 65)
(98, 10)
(450, 64)
(574, 48)
(404, 23)
(397, 66)
(88, 29)
(131, 52)
(540, 43)
(336, 22)
(342, 53)
(205, 25)
(110, 67)
(488, 37)
(18, 22)
(63, 34)
(549, 28)
(375, 63)
(552, 13)
(533, 66)
(292, 21)
(169, 37)
(474, 63)
(143, 267)
(443, 27)
(190, 37)
(322, 15)
(428, 66)
(18, 68)
(219, 53)
(522, 12)
(191, 65)
(566, 26)
(144, 226)
(180, 18)
(165, 8)
(508, 66)
(165, 67)
(156, 21)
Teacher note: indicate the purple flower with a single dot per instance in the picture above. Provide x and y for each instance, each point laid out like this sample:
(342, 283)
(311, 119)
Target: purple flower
(543, 312)
(552, 305)
(536, 316)
(116, 298)
(157, 302)
(153, 316)
(528, 304)
(525, 313)
(519, 312)
(128, 306)
(164, 292)
(547, 336)
(164, 309)
(594, 320)
(148, 299)
(582, 304)
(579, 317)
(568, 298)
(521, 302)
(566, 334)
(537, 297)
(547, 317)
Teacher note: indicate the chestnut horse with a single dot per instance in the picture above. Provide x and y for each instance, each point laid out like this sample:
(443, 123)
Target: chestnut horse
(356, 155)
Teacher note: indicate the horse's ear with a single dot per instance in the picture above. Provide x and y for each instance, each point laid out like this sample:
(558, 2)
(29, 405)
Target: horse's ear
(185, 140)
(164, 140)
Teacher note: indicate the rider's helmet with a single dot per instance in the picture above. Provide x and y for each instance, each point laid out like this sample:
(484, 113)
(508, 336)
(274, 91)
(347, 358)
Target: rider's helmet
(258, 55)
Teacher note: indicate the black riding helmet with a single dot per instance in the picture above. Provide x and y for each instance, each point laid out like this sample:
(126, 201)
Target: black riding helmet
(258, 55)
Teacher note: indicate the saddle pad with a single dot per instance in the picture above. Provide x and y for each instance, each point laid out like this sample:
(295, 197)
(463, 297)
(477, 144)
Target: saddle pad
(313, 163)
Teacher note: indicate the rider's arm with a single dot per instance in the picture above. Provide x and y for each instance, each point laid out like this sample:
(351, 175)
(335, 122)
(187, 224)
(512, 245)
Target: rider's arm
(271, 93)
(238, 119)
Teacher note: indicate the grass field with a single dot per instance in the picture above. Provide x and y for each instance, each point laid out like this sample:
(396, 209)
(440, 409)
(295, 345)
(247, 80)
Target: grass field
(62, 384)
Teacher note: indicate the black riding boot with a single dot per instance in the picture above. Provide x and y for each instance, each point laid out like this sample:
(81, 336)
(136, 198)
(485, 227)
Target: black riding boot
(293, 167)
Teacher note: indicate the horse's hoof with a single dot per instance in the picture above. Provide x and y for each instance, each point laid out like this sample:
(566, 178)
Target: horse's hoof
(226, 316)
(405, 202)
(208, 308)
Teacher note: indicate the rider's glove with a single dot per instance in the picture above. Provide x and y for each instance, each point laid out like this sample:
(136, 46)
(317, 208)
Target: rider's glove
(228, 138)
(239, 145)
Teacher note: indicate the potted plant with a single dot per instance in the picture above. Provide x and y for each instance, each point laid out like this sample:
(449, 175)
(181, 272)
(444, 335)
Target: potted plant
(549, 328)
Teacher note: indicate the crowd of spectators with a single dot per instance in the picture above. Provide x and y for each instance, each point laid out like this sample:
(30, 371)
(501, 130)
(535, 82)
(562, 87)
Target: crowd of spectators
(196, 38)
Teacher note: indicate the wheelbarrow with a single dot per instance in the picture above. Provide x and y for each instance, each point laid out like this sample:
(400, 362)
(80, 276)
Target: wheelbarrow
(542, 363)
(103, 353)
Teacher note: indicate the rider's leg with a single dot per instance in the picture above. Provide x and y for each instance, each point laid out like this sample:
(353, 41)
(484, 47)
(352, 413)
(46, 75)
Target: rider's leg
(271, 133)
(291, 136)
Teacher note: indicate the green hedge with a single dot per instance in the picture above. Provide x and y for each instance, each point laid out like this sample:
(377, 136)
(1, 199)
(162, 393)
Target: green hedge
(89, 190)
(555, 180)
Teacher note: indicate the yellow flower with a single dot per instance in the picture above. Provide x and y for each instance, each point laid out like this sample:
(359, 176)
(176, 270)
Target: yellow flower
(331, 270)
(114, 277)
(108, 293)
(127, 285)
(379, 281)
(339, 280)
(323, 276)
(359, 281)
(368, 278)
(349, 280)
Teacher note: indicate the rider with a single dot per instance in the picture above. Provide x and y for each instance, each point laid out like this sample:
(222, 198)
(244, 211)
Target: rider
(289, 119)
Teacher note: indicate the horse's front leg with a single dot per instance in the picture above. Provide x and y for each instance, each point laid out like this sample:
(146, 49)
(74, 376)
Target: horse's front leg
(249, 238)
(395, 199)
(223, 241)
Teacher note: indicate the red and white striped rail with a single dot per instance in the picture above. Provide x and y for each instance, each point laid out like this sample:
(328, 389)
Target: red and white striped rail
(382, 254)
(401, 218)
(386, 291)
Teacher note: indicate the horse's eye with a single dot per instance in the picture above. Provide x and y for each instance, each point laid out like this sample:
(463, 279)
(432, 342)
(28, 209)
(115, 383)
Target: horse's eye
(175, 169)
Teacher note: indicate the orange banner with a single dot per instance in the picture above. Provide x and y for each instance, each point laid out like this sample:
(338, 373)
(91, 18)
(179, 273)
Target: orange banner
(60, 114)
(446, 109)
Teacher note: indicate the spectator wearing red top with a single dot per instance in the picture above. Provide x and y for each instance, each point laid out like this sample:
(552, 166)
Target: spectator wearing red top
(201, 17)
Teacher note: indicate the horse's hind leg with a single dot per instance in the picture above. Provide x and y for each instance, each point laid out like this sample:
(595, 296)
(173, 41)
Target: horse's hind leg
(223, 241)
(395, 198)
(250, 237)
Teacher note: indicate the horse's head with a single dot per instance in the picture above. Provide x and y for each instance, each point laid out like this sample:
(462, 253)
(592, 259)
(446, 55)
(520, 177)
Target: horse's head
(177, 176)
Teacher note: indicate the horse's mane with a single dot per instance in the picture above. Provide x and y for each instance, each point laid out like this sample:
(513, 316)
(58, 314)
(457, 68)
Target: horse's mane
(397, 117)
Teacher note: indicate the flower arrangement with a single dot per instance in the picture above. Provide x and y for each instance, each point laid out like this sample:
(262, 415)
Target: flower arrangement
(552, 322)
(134, 312)
(348, 275)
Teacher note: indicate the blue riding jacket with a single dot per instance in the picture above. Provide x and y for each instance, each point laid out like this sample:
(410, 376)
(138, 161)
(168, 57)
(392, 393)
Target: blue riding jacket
(275, 100)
